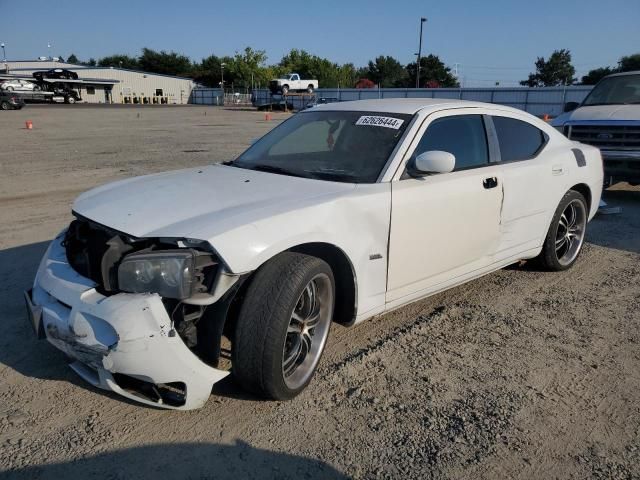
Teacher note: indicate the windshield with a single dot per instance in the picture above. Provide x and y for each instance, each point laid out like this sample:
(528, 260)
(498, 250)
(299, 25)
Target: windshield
(341, 146)
(621, 90)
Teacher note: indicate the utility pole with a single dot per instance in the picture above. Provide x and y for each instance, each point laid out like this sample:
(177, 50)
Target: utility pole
(4, 59)
(422, 20)
(456, 74)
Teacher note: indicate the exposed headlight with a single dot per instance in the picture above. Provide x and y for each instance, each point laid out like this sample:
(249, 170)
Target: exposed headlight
(170, 274)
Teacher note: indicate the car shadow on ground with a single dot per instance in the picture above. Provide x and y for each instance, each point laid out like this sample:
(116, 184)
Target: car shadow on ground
(20, 350)
(618, 230)
(183, 461)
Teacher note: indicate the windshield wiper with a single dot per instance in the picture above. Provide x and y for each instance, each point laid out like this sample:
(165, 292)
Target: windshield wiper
(328, 175)
(600, 104)
(273, 169)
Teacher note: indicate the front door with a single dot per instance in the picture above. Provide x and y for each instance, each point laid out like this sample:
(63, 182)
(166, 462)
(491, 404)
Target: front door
(444, 226)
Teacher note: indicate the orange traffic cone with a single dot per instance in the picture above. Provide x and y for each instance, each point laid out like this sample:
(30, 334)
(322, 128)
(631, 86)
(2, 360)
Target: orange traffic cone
(267, 117)
(29, 125)
(546, 117)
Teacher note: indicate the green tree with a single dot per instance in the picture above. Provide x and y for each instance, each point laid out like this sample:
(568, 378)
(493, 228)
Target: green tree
(386, 72)
(433, 73)
(208, 72)
(347, 75)
(595, 75)
(246, 68)
(629, 63)
(554, 72)
(73, 59)
(167, 63)
(119, 61)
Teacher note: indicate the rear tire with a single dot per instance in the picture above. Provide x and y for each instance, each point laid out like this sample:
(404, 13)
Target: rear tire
(310, 89)
(283, 325)
(285, 89)
(5, 106)
(565, 237)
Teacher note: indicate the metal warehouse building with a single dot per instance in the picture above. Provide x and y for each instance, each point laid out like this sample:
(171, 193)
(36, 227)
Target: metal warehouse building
(112, 85)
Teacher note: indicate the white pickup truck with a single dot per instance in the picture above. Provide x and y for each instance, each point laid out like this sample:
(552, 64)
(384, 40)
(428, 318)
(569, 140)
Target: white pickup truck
(291, 82)
(609, 118)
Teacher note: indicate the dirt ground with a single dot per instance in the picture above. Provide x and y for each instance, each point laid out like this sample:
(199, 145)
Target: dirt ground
(521, 374)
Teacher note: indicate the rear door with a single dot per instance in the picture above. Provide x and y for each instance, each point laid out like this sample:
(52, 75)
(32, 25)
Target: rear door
(444, 226)
(527, 168)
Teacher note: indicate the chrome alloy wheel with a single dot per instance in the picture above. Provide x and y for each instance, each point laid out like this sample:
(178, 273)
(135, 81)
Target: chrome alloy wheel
(307, 331)
(570, 232)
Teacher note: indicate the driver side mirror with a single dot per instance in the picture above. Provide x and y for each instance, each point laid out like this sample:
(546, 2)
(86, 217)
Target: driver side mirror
(570, 106)
(434, 161)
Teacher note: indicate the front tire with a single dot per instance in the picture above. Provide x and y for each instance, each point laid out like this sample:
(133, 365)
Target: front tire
(5, 106)
(565, 237)
(283, 325)
(285, 89)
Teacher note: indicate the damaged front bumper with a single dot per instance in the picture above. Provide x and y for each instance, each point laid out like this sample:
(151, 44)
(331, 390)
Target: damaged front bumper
(125, 343)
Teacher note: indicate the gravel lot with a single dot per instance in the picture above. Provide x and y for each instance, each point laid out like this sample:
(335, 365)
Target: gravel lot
(521, 374)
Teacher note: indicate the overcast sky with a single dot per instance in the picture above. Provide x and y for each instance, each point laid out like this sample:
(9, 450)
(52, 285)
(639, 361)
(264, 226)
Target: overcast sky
(490, 40)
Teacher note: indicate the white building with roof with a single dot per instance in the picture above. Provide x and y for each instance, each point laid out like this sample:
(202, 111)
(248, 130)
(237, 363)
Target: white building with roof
(109, 84)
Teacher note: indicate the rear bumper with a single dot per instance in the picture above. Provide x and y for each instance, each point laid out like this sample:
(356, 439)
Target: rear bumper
(124, 343)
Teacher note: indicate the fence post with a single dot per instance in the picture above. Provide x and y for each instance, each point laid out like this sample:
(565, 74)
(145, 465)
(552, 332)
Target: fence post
(526, 101)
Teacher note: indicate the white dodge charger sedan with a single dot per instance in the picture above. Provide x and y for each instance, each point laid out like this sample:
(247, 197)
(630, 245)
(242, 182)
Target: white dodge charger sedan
(164, 284)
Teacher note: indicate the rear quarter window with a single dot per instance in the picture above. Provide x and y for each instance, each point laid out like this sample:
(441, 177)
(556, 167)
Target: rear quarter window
(518, 140)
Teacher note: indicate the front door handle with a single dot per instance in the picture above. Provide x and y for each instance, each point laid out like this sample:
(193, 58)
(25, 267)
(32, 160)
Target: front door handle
(491, 182)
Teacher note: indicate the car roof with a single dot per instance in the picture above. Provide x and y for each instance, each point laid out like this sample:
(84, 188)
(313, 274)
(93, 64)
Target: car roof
(635, 72)
(407, 105)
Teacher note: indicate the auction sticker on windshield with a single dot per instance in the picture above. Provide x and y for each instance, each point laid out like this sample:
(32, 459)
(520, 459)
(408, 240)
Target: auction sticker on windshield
(376, 121)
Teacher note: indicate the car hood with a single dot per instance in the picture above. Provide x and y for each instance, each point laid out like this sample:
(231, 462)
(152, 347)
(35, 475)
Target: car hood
(605, 112)
(200, 202)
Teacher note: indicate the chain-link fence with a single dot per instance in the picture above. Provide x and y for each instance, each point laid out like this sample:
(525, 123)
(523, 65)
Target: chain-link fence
(537, 101)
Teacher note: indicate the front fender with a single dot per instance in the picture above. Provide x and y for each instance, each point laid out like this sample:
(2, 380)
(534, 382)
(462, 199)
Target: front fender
(356, 223)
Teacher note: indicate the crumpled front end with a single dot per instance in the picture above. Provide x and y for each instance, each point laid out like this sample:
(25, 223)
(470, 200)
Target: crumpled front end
(124, 342)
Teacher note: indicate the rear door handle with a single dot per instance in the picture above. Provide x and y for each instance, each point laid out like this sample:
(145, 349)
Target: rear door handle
(491, 182)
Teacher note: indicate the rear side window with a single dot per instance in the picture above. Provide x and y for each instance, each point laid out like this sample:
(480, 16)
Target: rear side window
(462, 135)
(518, 140)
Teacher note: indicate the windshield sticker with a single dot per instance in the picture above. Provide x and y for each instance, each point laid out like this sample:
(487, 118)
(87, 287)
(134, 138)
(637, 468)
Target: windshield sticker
(387, 122)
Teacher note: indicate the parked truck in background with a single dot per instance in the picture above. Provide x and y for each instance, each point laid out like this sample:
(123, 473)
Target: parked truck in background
(292, 82)
(609, 118)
